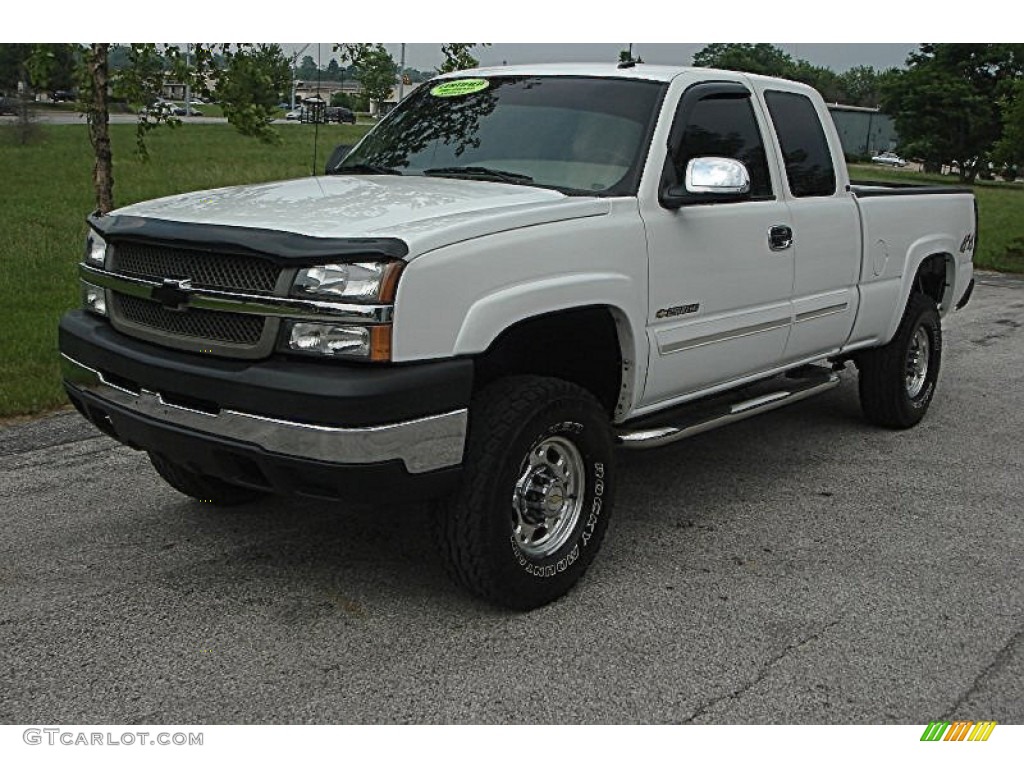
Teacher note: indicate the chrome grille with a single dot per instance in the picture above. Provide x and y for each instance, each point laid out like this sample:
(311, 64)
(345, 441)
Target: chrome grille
(228, 327)
(205, 269)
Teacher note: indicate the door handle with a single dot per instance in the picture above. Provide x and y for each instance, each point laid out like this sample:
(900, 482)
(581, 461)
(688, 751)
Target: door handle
(780, 237)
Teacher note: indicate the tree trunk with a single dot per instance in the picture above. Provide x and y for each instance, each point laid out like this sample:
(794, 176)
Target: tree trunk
(99, 128)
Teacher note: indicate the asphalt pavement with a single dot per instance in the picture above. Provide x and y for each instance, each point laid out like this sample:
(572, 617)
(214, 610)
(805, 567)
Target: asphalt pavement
(800, 567)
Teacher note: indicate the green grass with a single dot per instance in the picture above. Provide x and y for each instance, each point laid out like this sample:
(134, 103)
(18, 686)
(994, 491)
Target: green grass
(1000, 206)
(46, 193)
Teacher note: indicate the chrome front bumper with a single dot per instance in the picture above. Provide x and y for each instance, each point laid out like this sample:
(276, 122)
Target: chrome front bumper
(423, 445)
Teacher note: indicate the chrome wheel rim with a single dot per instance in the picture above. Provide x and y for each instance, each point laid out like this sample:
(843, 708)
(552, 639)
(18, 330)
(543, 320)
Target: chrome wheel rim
(917, 362)
(548, 496)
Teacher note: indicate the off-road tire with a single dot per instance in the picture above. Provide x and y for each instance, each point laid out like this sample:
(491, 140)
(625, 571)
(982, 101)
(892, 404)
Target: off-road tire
(886, 396)
(209, 490)
(521, 430)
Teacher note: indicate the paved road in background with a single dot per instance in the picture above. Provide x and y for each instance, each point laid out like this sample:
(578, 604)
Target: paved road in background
(800, 567)
(73, 118)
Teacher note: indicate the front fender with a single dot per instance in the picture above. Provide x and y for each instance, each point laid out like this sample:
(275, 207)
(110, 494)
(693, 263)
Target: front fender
(492, 314)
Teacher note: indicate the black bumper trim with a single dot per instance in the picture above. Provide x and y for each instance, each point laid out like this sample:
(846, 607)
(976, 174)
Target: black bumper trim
(327, 393)
(252, 467)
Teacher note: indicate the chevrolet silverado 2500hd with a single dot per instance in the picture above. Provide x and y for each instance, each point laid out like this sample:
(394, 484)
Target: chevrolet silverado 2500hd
(515, 271)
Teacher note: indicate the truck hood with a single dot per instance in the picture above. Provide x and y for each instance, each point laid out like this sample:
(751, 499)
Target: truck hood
(425, 213)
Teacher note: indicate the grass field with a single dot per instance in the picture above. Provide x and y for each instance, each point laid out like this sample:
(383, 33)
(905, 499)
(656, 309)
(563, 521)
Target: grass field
(46, 193)
(1000, 205)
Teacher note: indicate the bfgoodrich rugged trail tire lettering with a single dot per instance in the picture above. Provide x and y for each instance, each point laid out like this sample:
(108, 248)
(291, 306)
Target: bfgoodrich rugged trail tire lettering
(475, 528)
(202, 488)
(884, 397)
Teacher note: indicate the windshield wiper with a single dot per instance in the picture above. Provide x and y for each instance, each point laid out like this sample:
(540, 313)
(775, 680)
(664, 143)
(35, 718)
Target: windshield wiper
(365, 169)
(479, 172)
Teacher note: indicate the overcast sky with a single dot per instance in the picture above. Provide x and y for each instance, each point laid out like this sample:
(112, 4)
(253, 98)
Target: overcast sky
(837, 56)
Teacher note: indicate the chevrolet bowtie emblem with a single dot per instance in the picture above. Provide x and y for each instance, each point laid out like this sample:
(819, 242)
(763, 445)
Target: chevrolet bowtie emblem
(173, 294)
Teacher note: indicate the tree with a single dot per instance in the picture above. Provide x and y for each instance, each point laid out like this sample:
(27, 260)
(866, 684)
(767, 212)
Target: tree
(860, 86)
(247, 80)
(333, 70)
(49, 65)
(821, 79)
(765, 59)
(95, 82)
(756, 58)
(340, 99)
(457, 56)
(307, 69)
(948, 104)
(249, 86)
(1010, 148)
(375, 68)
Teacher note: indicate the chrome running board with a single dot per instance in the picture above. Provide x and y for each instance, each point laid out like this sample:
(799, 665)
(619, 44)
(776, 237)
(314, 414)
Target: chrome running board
(703, 416)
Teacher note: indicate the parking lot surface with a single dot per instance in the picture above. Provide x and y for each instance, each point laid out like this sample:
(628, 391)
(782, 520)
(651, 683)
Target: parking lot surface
(800, 567)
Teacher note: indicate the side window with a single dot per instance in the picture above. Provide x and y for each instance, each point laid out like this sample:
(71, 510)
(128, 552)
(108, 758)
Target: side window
(804, 147)
(726, 127)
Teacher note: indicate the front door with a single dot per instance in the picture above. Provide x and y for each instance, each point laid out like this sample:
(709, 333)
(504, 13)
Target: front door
(721, 275)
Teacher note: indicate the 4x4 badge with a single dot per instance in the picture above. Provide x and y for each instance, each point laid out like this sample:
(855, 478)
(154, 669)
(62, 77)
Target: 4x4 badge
(173, 294)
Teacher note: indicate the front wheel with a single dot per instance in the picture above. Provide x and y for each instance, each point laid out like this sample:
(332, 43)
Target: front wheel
(897, 381)
(535, 498)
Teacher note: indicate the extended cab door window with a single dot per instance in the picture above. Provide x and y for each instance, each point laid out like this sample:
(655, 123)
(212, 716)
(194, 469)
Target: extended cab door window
(805, 150)
(725, 126)
(825, 228)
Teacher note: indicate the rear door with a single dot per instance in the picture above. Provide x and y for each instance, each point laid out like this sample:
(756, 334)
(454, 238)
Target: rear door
(720, 289)
(826, 224)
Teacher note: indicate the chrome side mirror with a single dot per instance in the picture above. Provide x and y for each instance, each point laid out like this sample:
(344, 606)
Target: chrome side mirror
(717, 176)
(708, 180)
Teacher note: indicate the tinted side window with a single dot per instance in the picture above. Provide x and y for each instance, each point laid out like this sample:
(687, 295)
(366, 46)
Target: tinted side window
(724, 127)
(804, 147)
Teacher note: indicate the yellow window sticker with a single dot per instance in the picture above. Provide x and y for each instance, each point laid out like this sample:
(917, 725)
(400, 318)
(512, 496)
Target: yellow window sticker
(458, 88)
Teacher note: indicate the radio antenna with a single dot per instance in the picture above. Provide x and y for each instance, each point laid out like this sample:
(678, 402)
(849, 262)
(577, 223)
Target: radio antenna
(317, 111)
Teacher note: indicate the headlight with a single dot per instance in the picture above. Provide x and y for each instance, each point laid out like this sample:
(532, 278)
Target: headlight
(95, 250)
(364, 342)
(361, 281)
(94, 298)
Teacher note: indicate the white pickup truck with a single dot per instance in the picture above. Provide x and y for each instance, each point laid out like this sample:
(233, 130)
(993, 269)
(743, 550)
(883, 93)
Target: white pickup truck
(516, 271)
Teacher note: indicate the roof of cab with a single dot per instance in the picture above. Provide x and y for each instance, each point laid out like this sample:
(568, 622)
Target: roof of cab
(657, 72)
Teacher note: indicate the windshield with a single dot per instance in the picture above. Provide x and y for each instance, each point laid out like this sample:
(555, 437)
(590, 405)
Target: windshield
(579, 135)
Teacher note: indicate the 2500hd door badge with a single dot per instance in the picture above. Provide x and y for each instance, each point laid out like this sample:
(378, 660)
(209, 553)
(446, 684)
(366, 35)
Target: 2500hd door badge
(682, 309)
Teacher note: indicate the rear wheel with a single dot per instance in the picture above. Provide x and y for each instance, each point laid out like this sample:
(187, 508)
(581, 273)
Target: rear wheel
(210, 490)
(534, 502)
(897, 381)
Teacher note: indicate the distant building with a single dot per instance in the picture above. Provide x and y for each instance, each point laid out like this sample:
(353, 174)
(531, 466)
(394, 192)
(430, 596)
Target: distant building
(863, 131)
(304, 89)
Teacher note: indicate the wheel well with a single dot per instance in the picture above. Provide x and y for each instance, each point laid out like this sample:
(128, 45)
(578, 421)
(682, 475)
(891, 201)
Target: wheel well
(577, 345)
(932, 278)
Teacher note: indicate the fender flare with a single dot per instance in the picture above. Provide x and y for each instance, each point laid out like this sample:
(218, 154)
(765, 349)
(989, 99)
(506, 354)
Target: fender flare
(493, 314)
(921, 250)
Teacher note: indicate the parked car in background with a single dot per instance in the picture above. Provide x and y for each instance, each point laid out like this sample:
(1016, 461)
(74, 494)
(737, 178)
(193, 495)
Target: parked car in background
(295, 114)
(889, 158)
(169, 108)
(340, 115)
(8, 105)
